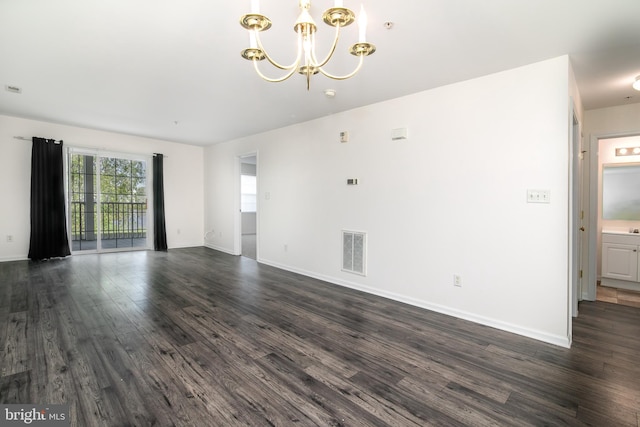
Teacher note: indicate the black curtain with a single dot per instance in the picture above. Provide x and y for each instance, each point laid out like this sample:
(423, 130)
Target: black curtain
(159, 225)
(48, 219)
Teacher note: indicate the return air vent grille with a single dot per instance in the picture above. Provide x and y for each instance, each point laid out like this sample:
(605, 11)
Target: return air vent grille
(354, 245)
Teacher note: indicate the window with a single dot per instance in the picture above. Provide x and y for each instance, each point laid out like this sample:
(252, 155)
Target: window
(108, 202)
(248, 193)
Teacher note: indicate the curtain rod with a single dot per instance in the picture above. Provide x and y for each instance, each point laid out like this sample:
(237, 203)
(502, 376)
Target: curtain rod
(22, 138)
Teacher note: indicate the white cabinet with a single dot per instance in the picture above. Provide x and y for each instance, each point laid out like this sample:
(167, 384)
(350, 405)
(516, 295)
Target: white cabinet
(620, 260)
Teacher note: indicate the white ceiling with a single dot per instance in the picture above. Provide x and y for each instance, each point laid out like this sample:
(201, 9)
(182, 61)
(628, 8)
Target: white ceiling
(139, 66)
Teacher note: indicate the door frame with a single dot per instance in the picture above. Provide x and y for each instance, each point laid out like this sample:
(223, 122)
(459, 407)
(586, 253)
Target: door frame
(576, 235)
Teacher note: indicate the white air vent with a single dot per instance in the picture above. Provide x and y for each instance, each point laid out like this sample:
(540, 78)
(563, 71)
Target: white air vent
(354, 251)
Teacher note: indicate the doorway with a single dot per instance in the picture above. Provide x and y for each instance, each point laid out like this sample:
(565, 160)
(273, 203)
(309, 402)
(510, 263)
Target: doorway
(603, 148)
(249, 206)
(108, 206)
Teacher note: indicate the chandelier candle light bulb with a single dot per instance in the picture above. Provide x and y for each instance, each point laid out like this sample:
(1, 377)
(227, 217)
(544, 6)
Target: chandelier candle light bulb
(362, 25)
(305, 27)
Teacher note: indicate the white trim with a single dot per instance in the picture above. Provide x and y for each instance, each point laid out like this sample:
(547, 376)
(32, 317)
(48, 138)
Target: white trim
(559, 340)
(589, 291)
(219, 248)
(575, 199)
(13, 258)
(620, 284)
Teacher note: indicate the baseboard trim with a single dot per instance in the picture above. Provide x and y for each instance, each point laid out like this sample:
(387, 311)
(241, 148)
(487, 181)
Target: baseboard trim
(219, 248)
(620, 284)
(12, 258)
(561, 341)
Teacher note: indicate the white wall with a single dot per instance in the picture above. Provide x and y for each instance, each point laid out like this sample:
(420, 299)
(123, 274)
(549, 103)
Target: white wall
(249, 223)
(449, 200)
(576, 98)
(183, 176)
(620, 119)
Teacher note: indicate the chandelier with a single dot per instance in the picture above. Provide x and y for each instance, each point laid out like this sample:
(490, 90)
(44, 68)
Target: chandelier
(306, 62)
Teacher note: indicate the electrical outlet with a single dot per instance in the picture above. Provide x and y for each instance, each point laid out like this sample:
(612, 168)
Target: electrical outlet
(457, 280)
(9, 238)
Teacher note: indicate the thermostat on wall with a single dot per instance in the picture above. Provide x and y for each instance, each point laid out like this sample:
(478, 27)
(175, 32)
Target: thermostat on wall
(398, 134)
(344, 136)
(352, 181)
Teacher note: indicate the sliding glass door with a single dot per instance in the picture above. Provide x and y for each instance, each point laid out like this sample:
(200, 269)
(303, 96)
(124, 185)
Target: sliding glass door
(108, 202)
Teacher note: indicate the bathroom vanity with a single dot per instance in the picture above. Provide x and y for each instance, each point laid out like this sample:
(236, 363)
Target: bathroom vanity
(620, 260)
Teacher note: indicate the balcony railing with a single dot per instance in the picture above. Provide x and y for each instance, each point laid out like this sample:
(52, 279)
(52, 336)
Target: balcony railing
(117, 221)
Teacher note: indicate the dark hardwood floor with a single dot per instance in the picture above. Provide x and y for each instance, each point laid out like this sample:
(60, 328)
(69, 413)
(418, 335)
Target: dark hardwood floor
(194, 337)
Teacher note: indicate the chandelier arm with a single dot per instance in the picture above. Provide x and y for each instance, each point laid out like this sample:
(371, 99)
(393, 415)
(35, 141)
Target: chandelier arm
(331, 52)
(276, 80)
(276, 64)
(348, 76)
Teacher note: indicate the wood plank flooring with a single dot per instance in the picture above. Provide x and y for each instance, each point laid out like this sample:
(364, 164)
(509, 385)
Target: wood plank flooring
(618, 296)
(194, 337)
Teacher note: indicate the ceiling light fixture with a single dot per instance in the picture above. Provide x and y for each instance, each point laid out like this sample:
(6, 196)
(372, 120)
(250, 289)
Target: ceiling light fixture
(306, 62)
(636, 84)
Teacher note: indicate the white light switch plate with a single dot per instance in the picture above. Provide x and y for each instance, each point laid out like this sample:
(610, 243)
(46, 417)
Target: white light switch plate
(538, 196)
